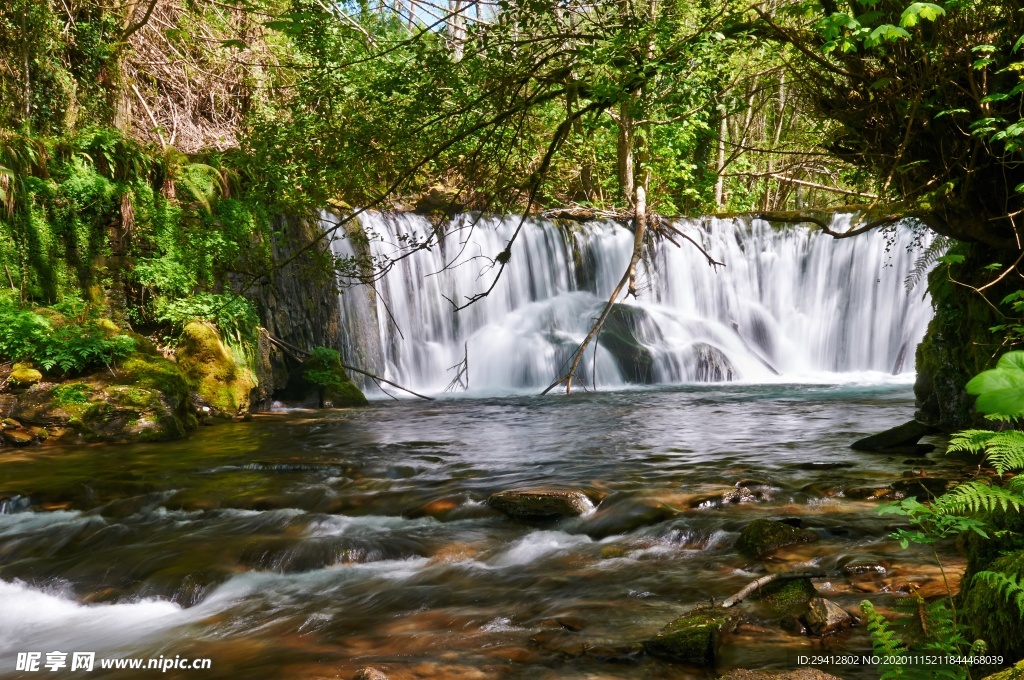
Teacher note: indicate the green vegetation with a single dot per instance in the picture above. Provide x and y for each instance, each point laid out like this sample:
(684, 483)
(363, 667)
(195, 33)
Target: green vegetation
(324, 370)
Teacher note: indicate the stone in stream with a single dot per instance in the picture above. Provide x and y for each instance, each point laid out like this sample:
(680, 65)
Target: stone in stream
(18, 437)
(825, 617)
(369, 673)
(623, 514)
(541, 504)
(788, 597)
(901, 436)
(798, 674)
(693, 638)
(762, 537)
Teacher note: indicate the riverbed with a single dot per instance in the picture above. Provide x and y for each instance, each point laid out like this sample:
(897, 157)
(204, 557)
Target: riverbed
(309, 544)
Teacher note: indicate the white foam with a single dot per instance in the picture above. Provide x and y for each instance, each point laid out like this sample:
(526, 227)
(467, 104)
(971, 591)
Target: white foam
(536, 545)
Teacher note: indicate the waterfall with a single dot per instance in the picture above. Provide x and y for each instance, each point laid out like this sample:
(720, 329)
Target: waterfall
(790, 304)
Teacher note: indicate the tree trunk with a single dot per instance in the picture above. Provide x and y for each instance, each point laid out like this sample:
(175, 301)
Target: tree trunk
(625, 150)
(723, 132)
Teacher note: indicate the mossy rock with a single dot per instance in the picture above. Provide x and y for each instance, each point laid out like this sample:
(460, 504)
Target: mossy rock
(323, 375)
(762, 537)
(1014, 673)
(990, 615)
(619, 337)
(694, 638)
(787, 598)
(215, 379)
(23, 376)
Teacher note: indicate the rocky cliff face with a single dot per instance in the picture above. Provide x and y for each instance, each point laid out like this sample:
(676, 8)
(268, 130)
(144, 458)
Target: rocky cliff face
(298, 303)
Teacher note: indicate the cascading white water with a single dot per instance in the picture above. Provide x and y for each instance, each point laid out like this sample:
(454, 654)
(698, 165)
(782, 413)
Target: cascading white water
(789, 300)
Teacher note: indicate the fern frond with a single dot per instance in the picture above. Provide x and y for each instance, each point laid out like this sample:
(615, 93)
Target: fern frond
(926, 260)
(1010, 586)
(1005, 451)
(884, 641)
(975, 497)
(971, 441)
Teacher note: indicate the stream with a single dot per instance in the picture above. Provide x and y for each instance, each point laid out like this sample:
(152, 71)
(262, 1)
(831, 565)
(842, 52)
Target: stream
(311, 544)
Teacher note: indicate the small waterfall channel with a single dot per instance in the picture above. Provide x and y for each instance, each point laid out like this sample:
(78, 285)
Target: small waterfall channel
(790, 304)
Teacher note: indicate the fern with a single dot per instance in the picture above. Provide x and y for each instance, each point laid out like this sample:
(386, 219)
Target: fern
(885, 642)
(1010, 586)
(926, 260)
(1003, 450)
(976, 497)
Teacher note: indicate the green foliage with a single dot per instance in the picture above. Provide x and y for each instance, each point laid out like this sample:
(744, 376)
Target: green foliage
(70, 394)
(1001, 390)
(67, 346)
(233, 315)
(323, 368)
(1010, 586)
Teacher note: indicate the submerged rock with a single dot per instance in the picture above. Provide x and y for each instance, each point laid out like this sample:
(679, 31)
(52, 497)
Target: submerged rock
(540, 504)
(825, 617)
(619, 336)
(762, 537)
(623, 514)
(694, 638)
(369, 673)
(901, 436)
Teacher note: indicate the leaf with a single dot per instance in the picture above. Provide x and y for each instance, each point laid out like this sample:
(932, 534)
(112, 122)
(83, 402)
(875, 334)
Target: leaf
(926, 11)
(886, 32)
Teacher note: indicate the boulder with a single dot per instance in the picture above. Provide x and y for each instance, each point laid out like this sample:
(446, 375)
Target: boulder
(762, 537)
(216, 380)
(622, 514)
(619, 336)
(18, 437)
(825, 617)
(787, 597)
(899, 437)
(541, 504)
(23, 376)
(694, 638)
(712, 365)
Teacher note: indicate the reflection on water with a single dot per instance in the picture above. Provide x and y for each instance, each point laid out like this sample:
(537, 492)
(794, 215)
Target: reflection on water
(311, 544)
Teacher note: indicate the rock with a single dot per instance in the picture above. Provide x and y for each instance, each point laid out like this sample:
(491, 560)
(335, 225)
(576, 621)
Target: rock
(541, 504)
(24, 376)
(214, 378)
(922, 488)
(762, 537)
(825, 617)
(9, 424)
(694, 638)
(144, 399)
(619, 335)
(1015, 673)
(369, 673)
(739, 495)
(712, 365)
(905, 435)
(18, 437)
(798, 674)
(325, 382)
(788, 597)
(862, 564)
(622, 514)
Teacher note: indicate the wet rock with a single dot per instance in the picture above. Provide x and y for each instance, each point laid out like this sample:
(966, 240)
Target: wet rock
(739, 495)
(694, 638)
(611, 552)
(788, 597)
(369, 673)
(619, 335)
(862, 564)
(762, 537)
(9, 424)
(540, 504)
(615, 653)
(712, 365)
(921, 488)
(798, 674)
(825, 617)
(625, 514)
(18, 437)
(905, 435)
(1015, 673)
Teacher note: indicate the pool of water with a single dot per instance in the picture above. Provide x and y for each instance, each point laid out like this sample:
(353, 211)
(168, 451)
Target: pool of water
(310, 544)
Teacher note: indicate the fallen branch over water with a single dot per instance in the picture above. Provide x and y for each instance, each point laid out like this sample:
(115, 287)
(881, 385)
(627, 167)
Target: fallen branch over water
(301, 355)
(765, 580)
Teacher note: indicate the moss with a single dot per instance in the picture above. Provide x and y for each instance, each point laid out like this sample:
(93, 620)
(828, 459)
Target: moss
(990, 615)
(156, 373)
(789, 597)
(762, 537)
(694, 638)
(24, 377)
(323, 370)
(211, 371)
(1014, 673)
(70, 394)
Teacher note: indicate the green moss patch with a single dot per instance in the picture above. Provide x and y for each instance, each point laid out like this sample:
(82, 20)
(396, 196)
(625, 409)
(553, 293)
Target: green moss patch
(694, 638)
